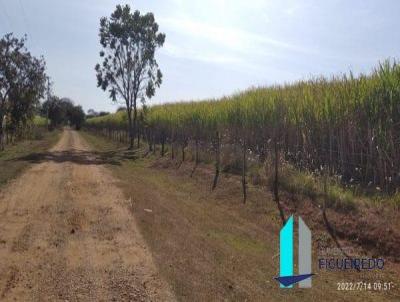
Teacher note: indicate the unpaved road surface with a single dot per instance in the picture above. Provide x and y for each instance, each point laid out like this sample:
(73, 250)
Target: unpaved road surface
(67, 234)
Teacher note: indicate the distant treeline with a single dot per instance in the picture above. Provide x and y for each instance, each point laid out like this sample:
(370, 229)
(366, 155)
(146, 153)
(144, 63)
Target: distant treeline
(346, 126)
(62, 111)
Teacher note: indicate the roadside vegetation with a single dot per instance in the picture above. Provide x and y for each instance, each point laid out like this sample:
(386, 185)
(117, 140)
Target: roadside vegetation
(214, 180)
(344, 129)
(329, 144)
(226, 250)
(22, 85)
(24, 120)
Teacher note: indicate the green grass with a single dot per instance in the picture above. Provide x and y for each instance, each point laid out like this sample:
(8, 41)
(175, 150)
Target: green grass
(395, 200)
(298, 182)
(311, 185)
(238, 242)
(341, 199)
(306, 184)
(39, 121)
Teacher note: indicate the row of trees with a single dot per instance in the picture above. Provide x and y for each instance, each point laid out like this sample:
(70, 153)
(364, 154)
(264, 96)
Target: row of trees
(62, 111)
(22, 84)
(93, 113)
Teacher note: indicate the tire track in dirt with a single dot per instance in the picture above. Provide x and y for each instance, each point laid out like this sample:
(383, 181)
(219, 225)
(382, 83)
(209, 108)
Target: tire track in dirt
(66, 234)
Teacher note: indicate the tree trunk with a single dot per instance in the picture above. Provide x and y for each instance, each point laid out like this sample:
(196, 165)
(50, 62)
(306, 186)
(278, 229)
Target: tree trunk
(150, 141)
(276, 180)
(276, 183)
(196, 158)
(131, 131)
(325, 189)
(162, 146)
(183, 150)
(135, 127)
(217, 160)
(2, 126)
(244, 172)
(138, 138)
(276, 196)
(1, 137)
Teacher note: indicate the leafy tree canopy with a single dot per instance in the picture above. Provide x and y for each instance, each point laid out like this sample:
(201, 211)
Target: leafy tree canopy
(129, 70)
(22, 83)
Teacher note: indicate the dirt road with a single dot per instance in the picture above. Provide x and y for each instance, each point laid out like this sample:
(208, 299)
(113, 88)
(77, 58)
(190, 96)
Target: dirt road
(66, 234)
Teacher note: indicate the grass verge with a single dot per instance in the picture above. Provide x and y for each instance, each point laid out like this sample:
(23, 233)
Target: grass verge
(211, 247)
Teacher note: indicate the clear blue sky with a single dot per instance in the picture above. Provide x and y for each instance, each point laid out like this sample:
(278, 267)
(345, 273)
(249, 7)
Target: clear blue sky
(213, 47)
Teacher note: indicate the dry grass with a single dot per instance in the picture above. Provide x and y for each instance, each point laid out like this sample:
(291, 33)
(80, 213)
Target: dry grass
(210, 246)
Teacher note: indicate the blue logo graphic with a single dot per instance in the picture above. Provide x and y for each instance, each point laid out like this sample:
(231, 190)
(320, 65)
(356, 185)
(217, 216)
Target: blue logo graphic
(286, 277)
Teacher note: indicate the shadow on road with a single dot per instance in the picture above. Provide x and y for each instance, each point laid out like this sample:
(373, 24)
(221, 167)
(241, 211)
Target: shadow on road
(80, 157)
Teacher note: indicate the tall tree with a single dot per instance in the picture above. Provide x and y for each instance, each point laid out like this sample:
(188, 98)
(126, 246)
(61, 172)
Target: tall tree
(76, 117)
(129, 69)
(53, 110)
(22, 82)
